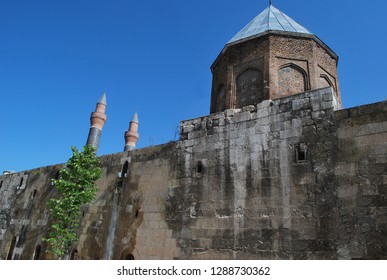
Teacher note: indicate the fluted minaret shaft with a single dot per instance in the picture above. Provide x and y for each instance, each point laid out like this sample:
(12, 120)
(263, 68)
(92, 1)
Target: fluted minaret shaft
(97, 121)
(132, 136)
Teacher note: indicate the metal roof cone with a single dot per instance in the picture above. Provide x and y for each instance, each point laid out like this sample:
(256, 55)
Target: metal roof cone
(270, 19)
(135, 118)
(102, 100)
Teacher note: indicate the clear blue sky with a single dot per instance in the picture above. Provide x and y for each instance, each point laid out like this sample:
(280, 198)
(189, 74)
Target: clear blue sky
(151, 57)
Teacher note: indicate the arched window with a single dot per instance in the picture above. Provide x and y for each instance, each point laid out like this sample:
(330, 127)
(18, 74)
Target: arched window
(249, 88)
(33, 194)
(199, 167)
(74, 254)
(291, 80)
(125, 168)
(129, 257)
(38, 250)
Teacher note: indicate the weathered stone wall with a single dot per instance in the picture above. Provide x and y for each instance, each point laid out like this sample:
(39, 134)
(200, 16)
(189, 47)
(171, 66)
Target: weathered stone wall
(135, 201)
(291, 178)
(361, 182)
(255, 179)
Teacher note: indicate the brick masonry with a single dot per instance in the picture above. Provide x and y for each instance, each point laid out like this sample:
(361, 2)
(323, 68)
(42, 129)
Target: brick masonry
(290, 178)
(272, 66)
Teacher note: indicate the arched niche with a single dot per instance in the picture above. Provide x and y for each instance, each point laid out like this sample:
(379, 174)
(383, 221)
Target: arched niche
(325, 81)
(291, 79)
(249, 88)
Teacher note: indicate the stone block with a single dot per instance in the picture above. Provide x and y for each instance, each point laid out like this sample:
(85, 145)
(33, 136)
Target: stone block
(250, 108)
(241, 117)
(347, 191)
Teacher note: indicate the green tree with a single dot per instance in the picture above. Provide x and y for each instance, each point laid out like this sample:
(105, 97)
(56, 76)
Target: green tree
(76, 186)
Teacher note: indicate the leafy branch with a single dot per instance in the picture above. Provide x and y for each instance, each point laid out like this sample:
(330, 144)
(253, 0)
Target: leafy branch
(76, 186)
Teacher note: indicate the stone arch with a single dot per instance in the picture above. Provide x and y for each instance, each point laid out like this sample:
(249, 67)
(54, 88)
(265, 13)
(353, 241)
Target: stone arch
(129, 254)
(249, 88)
(326, 82)
(291, 79)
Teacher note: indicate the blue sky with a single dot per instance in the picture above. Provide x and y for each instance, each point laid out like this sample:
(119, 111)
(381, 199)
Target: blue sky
(151, 57)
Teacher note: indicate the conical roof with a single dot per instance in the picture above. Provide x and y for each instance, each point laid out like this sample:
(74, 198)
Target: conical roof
(102, 100)
(135, 118)
(270, 19)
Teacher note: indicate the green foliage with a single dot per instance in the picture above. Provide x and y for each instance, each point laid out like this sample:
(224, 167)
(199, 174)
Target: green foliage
(76, 186)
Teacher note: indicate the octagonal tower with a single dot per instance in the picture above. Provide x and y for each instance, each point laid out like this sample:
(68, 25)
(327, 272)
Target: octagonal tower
(271, 57)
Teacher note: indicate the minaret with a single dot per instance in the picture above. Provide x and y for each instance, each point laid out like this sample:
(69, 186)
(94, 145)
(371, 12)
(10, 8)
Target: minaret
(97, 120)
(131, 136)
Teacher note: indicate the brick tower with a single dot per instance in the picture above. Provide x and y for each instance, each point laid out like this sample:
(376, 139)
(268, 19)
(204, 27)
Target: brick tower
(271, 57)
(97, 121)
(132, 136)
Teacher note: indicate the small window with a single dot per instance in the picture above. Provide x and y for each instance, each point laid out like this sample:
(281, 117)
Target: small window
(38, 250)
(129, 257)
(74, 254)
(11, 248)
(20, 184)
(1, 184)
(125, 168)
(301, 153)
(199, 167)
(33, 194)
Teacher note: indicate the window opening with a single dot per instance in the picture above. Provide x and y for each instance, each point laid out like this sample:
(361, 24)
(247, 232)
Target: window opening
(11, 248)
(38, 249)
(33, 194)
(74, 254)
(125, 169)
(129, 257)
(21, 183)
(199, 167)
(301, 153)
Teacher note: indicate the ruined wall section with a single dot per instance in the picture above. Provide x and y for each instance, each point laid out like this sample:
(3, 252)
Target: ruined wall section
(125, 221)
(361, 177)
(24, 215)
(255, 182)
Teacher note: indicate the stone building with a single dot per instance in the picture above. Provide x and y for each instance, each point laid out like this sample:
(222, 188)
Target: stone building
(278, 170)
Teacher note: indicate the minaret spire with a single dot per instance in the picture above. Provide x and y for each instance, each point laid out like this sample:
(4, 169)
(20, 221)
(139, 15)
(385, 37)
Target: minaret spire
(132, 136)
(97, 121)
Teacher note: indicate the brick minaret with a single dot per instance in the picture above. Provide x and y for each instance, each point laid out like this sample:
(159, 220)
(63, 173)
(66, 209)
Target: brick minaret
(131, 136)
(97, 120)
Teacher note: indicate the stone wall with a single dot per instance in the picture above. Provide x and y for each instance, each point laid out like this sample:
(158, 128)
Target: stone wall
(291, 178)
(361, 182)
(255, 179)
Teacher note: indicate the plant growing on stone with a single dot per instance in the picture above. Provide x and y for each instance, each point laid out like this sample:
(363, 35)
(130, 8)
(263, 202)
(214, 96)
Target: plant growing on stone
(76, 186)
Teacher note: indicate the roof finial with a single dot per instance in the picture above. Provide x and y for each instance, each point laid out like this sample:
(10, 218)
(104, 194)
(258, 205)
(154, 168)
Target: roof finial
(269, 2)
